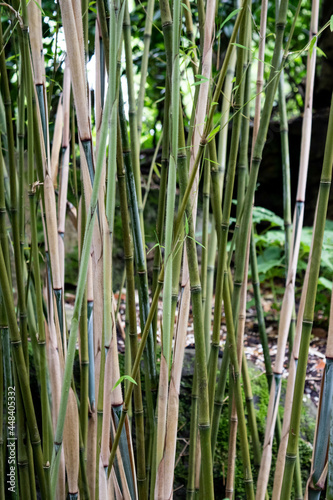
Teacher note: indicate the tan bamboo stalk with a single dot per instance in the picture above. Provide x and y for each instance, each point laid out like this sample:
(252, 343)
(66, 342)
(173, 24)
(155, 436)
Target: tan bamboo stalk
(36, 41)
(71, 445)
(260, 73)
(55, 369)
(64, 174)
(56, 144)
(178, 225)
(114, 397)
(167, 464)
(168, 401)
(288, 299)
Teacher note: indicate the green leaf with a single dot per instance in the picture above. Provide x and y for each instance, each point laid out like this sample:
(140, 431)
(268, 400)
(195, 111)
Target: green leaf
(196, 241)
(124, 377)
(331, 23)
(321, 52)
(213, 133)
(157, 172)
(40, 8)
(312, 44)
(240, 46)
(201, 79)
(186, 7)
(186, 225)
(232, 14)
(263, 214)
(325, 282)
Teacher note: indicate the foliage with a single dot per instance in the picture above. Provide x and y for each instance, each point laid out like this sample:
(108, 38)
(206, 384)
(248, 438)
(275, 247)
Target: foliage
(270, 238)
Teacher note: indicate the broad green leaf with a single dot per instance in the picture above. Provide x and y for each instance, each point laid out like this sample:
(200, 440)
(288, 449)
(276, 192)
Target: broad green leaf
(325, 282)
(263, 214)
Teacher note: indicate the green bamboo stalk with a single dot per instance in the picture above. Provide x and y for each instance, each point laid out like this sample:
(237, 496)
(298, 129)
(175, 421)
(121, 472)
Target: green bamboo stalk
(223, 236)
(251, 412)
(220, 168)
(100, 410)
(13, 211)
(237, 388)
(309, 309)
(47, 433)
(2, 427)
(23, 484)
(139, 256)
(20, 143)
(144, 62)
(259, 309)
(284, 326)
(286, 183)
(168, 397)
(203, 406)
(297, 223)
(22, 376)
(130, 303)
(84, 353)
(135, 111)
(204, 251)
(170, 205)
(161, 197)
(212, 245)
(325, 410)
(190, 486)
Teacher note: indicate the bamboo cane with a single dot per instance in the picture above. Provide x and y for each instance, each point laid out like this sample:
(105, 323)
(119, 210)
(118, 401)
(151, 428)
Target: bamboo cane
(286, 310)
(309, 309)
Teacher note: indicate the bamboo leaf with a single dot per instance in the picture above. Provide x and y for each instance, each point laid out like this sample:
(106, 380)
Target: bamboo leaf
(186, 7)
(331, 23)
(240, 46)
(213, 133)
(312, 44)
(232, 14)
(123, 377)
(321, 52)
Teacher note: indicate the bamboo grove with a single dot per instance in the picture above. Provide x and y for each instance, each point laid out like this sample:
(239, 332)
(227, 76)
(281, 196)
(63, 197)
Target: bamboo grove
(99, 434)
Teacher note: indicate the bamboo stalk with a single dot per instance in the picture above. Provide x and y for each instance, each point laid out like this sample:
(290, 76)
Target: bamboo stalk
(80, 293)
(13, 211)
(130, 303)
(84, 352)
(71, 445)
(309, 309)
(137, 241)
(286, 310)
(223, 232)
